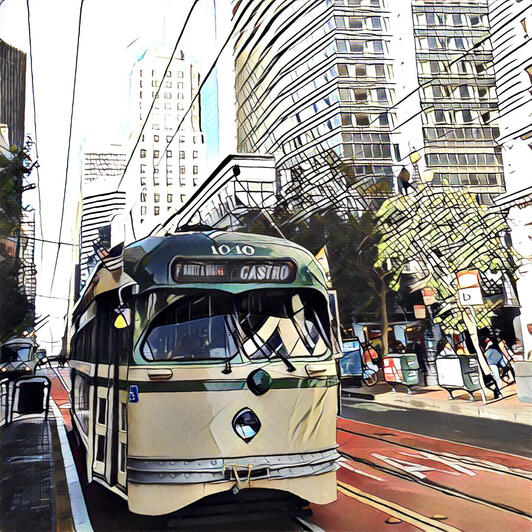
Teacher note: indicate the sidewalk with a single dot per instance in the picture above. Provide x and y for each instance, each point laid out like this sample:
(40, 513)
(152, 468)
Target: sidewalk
(509, 408)
(39, 488)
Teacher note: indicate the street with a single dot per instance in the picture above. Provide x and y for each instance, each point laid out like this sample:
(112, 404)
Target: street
(400, 469)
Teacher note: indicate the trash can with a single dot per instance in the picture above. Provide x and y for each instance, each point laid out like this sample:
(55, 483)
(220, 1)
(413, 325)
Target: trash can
(458, 372)
(401, 368)
(523, 380)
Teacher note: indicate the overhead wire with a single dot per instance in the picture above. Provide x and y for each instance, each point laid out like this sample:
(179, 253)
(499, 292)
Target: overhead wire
(68, 146)
(35, 124)
(154, 99)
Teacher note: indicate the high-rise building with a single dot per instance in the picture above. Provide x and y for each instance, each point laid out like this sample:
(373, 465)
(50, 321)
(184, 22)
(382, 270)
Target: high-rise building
(448, 111)
(511, 29)
(102, 168)
(13, 91)
(313, 84)
(168, 163)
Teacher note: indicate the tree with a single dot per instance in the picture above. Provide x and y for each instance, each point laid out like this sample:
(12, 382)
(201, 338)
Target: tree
(438, 233)
(16, 312)
(352, 249)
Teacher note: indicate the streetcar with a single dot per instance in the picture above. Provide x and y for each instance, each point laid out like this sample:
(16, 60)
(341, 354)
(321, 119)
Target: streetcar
(206, 364)
(18, 356)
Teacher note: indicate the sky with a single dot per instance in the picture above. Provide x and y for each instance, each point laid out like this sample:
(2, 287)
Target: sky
(114, 34)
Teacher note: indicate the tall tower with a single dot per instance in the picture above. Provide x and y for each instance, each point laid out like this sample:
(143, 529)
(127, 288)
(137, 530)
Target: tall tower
(13, 91)
(168, 163)
(102, 168)
(456, 81)
(313, 84)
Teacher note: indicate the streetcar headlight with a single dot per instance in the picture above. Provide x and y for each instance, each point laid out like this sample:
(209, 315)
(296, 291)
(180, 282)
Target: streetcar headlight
(246, 424)
(27, 368)
(4, 369)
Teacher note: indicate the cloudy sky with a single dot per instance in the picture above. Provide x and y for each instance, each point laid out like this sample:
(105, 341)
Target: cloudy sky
(114, 34)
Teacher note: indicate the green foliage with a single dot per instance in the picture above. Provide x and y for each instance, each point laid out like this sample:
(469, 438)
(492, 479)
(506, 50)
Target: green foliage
(444, 231)
(16, 313)
(351, 246)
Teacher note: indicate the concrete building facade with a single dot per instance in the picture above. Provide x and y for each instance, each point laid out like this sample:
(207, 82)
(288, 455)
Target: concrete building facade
(511, 24)
(313, 83)
(102, 168)
(168, 163)
(13, 91)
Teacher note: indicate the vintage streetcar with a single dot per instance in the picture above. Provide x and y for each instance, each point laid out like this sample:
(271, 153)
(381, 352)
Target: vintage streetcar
(206, 364)
(18, 356)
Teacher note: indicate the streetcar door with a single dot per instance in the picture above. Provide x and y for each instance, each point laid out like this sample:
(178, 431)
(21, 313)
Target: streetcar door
(106, 405)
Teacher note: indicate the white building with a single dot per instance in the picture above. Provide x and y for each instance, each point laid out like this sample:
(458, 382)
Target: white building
(168, 163)
(102, 168)
(511, 27)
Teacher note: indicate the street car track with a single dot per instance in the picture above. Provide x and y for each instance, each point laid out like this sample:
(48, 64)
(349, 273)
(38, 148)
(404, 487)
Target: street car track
(480, 464)
(429, 483)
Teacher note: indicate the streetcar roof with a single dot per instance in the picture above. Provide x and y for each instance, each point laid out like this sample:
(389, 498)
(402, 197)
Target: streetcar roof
(147, 262)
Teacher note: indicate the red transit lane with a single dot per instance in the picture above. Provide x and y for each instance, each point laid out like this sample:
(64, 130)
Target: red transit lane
(391, 479)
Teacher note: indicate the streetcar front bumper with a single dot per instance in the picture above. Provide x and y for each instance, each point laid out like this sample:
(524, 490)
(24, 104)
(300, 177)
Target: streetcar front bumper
(157, 471)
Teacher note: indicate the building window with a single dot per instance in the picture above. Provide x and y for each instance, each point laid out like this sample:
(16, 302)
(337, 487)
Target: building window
(194, 169)
(169, 169)
(169, 153)
(167, 95)
(361, 95)
(169, 198)
(142, 168)
(179, 84)
(155, 170)
(182, 169)
(169, 180)
(156, 180)
(155, 138)
(142, 154)
(195, 180)
(143, 211)
(361, 71)
(155, 154)
(180, 74)
(143, 197)
(181, 154)
(168, 138)
(362, 119)
(464, 91)
(355, 23)
(194, 154)
(156, 210)
(183, 198)
(168, 84)
(156, 197)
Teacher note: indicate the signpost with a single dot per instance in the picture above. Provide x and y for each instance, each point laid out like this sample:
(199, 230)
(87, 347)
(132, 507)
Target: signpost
(469, 295)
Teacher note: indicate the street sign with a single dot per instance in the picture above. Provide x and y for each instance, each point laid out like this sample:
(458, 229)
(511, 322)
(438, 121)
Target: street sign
(470, 296)
(469, 292)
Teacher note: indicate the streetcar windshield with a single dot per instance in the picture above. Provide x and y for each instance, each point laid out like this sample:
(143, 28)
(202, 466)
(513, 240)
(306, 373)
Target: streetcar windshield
(279, 323)
(259, 324)
(12, 352)
(197, 327)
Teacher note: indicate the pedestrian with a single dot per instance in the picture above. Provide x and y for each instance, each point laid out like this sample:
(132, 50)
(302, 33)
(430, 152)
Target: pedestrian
(370, 355)
(498, 364)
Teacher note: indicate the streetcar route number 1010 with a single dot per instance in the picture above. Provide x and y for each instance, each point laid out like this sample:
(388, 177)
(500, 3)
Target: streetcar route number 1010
(225, 249)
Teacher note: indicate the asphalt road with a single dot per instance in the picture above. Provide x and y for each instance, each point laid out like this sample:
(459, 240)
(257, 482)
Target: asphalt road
(491, 434)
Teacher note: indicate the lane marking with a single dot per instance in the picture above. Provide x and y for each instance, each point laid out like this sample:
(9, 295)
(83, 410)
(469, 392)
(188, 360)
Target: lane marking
(77, 501)
(395, 510)
(344, 463)
(470, 461)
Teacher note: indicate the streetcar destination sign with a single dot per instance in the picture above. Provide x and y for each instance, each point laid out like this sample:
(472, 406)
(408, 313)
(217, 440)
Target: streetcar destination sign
(193, 271)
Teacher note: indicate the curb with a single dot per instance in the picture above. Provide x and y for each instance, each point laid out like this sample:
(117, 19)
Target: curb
(80, 515)
(460, 408)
